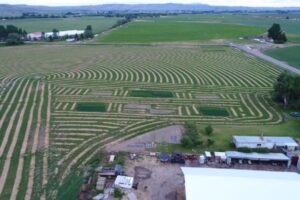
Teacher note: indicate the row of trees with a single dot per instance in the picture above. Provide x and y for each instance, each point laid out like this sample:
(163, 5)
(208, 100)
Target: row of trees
(12, 35)
(287, 90)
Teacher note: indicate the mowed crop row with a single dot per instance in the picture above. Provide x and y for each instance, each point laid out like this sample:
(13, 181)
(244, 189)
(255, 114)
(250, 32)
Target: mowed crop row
(49, 129)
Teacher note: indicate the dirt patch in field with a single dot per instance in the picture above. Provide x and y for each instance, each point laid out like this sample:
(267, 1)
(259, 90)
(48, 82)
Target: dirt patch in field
(156, 180)
(137, 106)
(162, 111)
(170, 134)
(102, 93)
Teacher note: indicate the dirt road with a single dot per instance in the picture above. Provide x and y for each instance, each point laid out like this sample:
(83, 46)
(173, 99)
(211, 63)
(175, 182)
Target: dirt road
(260, 55)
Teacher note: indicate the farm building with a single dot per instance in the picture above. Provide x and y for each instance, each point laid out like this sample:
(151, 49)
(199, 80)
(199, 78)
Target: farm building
(234, 156)
(265, 142)
(232, 184)
(35, 36)
(70, 33)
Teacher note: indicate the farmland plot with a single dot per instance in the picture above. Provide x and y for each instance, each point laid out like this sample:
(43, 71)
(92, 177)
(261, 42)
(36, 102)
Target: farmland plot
(47, 129)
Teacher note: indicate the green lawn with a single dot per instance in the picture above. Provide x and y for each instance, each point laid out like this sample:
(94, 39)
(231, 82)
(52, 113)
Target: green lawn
(291, 55)
(99, 24)
(162, 30)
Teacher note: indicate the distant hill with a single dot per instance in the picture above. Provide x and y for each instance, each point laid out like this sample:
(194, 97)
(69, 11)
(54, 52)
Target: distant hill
(13, 10)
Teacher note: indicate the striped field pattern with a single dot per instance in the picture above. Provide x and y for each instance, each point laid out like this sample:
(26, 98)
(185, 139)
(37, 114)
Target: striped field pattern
(43, 137)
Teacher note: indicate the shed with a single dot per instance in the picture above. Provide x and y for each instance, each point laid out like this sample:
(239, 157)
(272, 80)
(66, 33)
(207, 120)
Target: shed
(124, 182)
(265, 142)
(277, 157)
(220, 156)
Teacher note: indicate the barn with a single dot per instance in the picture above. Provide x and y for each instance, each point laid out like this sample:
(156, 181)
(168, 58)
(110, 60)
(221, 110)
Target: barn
(233, 184)
(265, 142)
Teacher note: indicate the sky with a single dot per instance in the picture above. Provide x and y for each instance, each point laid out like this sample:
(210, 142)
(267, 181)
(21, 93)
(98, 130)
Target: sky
(252, 3)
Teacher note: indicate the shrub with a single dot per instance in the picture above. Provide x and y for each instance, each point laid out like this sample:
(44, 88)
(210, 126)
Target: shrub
(118, 193)
(185, 141)
(208, 130)
(210, 142)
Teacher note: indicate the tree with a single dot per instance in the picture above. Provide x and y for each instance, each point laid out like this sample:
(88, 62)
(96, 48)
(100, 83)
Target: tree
(208, 130)
(192, 136)
(276, 34)
(55, 33)
(287, 90)
(13, 39)
(88, 32)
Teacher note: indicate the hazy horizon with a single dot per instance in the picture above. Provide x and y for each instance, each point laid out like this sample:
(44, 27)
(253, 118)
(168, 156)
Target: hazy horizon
(246, 3)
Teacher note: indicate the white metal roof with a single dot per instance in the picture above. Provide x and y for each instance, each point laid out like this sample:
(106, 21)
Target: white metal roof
(258, 139)
(124, 181)
(257, 156)
(232, 184)
(222, 155)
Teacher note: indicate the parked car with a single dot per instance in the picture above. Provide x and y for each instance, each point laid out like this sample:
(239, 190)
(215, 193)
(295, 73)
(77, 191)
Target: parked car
(295, 114)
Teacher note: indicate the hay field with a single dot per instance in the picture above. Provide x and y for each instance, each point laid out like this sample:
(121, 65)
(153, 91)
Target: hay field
(45, 138)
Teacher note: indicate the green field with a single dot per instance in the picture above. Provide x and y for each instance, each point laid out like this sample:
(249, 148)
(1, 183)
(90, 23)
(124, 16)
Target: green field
(45, 141)
(290, 55)
(99, 24)
(91, 107)
(213, 111)
(169, 30)
(147, 93)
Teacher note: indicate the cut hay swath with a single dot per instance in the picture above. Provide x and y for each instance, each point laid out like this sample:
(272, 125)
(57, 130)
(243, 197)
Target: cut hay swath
(47, 129)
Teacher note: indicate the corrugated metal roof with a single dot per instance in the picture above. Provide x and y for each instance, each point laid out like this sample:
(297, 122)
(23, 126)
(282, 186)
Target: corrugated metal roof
(257, 139)
(233, 184)
(256, 156)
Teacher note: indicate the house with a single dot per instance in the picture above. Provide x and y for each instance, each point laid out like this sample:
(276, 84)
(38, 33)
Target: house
(287, 143)
(124, 182)
(232, 156)
(35, 36)
(234, 184)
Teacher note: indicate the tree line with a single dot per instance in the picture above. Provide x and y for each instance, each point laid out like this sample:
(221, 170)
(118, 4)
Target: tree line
(12, 35)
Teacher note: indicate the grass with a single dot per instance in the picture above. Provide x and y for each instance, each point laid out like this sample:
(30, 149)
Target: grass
(99, 24)
(91, 107)
(213, 111)
(150, 93)
(222, 135)
(161, 30)
(289, 55)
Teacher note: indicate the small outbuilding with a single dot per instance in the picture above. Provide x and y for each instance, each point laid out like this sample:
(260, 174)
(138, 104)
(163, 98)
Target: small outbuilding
(287, 143)
(124, 182)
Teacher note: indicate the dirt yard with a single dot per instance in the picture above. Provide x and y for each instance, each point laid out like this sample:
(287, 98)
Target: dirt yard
(170, 134)
(157, 181)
